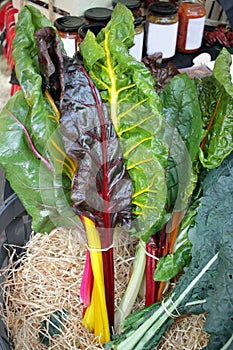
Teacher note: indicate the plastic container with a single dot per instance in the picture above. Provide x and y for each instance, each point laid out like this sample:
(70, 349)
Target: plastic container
(68, 27)
(192, 15)
(133, 5)
(98, 15)
(137, 49)
(162, 27)
(15, 229)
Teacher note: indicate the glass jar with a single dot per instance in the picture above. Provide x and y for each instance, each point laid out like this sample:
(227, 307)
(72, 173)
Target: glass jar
(136, 50)
(192, 15)
(162, 27)
(133, 5)
(68, 27)
(95, 28)
(98, 15)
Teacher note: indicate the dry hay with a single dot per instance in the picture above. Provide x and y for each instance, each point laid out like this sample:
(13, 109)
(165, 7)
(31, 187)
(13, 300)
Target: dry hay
(186, 333)
(46, 279)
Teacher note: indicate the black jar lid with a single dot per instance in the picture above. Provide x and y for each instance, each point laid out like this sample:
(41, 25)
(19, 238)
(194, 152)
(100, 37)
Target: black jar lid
(137, 19)
(69, 23)
(95, 28)
(130, 4)
(98, 14)
(162, 8)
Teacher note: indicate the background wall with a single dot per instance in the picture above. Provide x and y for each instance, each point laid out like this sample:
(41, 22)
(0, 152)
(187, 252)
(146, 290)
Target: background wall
(74, 7)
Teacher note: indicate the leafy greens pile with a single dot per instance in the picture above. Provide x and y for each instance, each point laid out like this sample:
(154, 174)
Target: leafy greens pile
(206, 284)
(96, 147)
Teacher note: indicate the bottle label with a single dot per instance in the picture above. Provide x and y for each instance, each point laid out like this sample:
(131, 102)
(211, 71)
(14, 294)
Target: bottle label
(136, 50)
(194, 33)
(69, 46)
(162, 38)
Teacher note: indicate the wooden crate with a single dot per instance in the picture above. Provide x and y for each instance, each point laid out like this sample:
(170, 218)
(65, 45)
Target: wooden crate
(214, 13)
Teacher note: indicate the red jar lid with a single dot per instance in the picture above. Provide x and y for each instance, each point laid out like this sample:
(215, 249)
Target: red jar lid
(69, 23)
(98, 14)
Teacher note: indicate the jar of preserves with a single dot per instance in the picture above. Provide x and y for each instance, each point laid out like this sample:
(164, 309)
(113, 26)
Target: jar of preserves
(95, 28)
(98, 15)
(136, 49)
(133, 5)
(192, 15)
(162, 27)
(68, 27)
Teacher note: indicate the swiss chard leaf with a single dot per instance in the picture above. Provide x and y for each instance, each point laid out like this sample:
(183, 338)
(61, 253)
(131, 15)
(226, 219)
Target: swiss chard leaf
(216, 101)
(183, 134)
(127, 88)
(90, 138)
(37, 180)
(171, 264)
(31, 150)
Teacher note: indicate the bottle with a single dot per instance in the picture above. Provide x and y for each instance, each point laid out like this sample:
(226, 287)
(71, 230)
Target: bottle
(136, 50)
(68, 27)
(162, 27)
(98, 15)
(192, 15)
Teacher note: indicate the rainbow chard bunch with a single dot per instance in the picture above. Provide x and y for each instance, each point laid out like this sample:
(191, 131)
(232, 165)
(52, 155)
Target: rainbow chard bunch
(101, 190)
(70, 158)
(127, 88)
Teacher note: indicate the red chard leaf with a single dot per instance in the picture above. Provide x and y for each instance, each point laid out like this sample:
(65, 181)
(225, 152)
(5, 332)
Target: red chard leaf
(101, 189)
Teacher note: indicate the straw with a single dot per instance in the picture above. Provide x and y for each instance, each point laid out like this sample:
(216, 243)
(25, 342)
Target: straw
(46, 280)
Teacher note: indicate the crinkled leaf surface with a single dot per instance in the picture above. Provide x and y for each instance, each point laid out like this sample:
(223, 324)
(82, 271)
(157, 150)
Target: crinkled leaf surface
(219, 304)
(101, 188)
(127, 88)
(196, 291)
(216, 101)
(213, 233)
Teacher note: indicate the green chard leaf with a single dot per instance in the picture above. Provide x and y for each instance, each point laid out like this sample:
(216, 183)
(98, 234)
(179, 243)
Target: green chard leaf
(216, 102)
(31, 148)
(183, 135)
(127, 88)
(171, 264)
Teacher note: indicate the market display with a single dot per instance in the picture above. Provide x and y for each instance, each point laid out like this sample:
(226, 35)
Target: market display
(102, 143)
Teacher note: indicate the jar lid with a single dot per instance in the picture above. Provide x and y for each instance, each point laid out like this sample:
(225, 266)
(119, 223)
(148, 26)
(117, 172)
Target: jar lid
(137, 19)
(95, 28)
(69, 23)
(162, 8)
(130, 4)
(98, 14)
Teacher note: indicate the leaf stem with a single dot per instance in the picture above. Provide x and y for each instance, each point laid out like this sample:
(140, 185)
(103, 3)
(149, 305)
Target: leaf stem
(133, 286)
(38, 155)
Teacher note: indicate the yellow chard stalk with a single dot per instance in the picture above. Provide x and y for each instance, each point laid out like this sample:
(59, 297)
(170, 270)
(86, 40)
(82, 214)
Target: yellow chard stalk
(96, 316)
